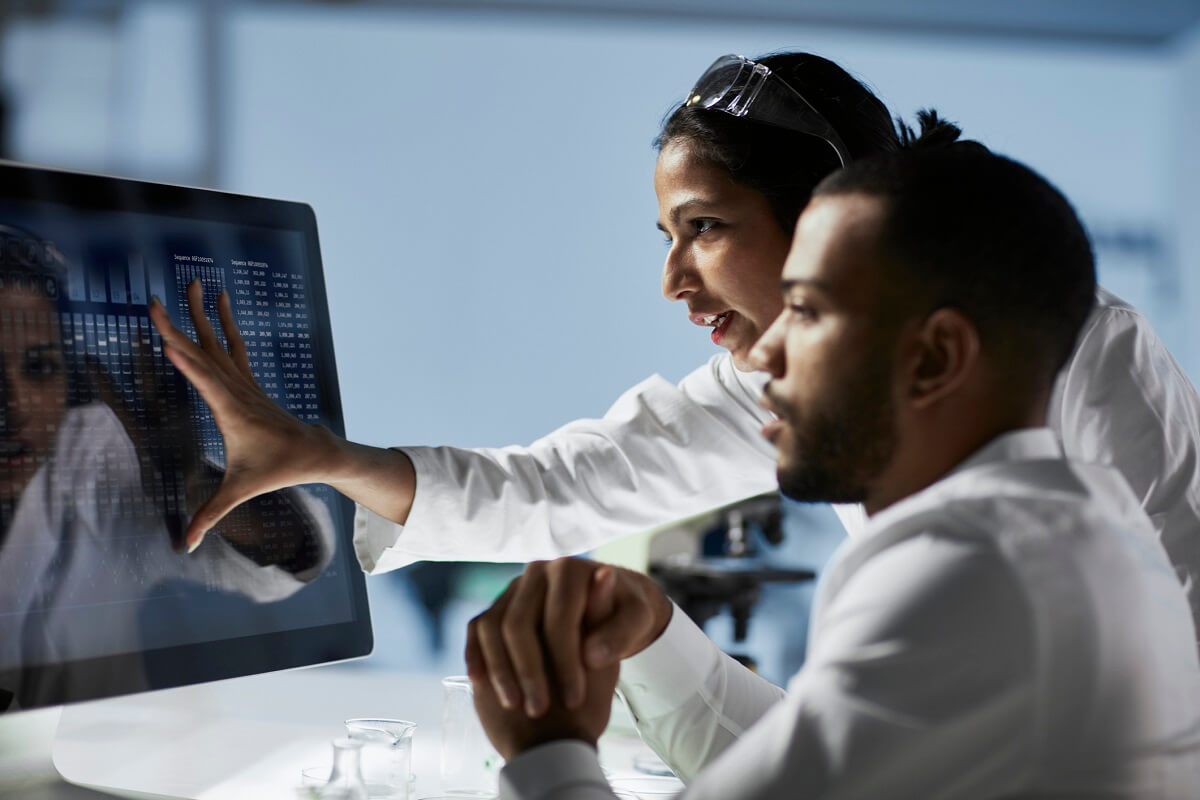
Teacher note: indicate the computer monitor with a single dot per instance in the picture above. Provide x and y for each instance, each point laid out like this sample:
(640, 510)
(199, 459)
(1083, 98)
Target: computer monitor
(105, 449)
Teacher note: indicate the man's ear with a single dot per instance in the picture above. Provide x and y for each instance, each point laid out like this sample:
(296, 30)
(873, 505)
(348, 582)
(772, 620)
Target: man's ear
(945, 352)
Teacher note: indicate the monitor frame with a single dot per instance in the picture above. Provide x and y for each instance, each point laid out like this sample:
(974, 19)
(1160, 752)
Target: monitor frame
(246, 655)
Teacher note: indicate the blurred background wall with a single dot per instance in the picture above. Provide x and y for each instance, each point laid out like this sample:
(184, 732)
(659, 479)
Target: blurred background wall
(481, 172)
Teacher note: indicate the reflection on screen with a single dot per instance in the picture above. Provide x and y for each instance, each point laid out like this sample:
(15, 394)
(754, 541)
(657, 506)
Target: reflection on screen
(105, 450)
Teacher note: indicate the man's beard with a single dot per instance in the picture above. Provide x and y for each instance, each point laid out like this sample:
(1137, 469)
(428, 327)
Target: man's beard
(841, 444)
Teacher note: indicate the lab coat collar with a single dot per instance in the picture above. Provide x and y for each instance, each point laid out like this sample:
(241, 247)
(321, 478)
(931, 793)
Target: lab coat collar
(1024, 444)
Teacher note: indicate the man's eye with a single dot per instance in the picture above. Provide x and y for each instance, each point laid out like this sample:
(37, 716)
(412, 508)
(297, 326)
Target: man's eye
(703, 225)
(802, 311)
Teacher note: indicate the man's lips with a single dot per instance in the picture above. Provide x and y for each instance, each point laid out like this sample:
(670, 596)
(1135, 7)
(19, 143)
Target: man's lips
(773, 426)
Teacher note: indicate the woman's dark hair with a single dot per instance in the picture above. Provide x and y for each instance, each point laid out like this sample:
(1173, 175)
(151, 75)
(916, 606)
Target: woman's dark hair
(32, 264)
(782, 164)
(28, 262)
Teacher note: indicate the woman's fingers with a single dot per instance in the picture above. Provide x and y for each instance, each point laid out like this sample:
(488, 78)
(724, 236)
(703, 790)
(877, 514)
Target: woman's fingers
(166, 329)
(199, 374)
(177, 339)
(237, 346)
(205, 335)
(207, 348)
(229, 495)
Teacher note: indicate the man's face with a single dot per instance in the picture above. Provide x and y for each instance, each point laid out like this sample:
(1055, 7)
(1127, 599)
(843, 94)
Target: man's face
(830, 355)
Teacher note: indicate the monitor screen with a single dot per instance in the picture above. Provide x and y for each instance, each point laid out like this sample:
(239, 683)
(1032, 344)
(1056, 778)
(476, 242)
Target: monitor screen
(105, 449)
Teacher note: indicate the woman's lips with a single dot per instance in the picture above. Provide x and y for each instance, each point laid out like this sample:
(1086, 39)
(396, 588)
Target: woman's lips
(11, 449)
(717, 320)
(722, 326)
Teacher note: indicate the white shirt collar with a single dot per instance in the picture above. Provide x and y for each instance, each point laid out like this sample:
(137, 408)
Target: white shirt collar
(1024, 444)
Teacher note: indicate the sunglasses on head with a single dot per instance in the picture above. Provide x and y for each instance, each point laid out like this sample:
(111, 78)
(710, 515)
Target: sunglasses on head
(744, 88)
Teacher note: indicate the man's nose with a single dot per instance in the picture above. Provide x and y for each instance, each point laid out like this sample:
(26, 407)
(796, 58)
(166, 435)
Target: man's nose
(767, 353)
(680, 277)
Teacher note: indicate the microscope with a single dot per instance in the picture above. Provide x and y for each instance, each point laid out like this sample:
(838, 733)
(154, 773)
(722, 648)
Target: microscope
(726, 570)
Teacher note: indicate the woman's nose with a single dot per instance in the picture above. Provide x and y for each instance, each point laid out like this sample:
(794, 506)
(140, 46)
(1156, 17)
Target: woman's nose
(12, 416)
(680, 277)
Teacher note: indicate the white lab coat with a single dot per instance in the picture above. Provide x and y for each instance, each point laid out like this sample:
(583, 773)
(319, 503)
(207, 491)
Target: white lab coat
(666, 452)
(1013, 630)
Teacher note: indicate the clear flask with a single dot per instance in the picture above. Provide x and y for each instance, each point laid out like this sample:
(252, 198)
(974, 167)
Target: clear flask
(386, 756)
(470, 765)
(345, 779)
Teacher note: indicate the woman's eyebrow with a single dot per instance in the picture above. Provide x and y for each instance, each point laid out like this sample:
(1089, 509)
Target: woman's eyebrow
(691, 203)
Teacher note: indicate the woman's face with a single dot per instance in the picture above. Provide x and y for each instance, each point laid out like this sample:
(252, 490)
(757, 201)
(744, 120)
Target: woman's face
(727, 249)
(33, 387)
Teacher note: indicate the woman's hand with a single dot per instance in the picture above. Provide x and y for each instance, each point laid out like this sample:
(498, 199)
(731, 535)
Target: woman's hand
(266, 448)
(162, 436)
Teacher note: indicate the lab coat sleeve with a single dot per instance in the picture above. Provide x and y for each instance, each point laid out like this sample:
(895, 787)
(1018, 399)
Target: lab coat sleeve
(691, 701)
(564, 769)
(918, 685)
(1122, 400)
(661, 453)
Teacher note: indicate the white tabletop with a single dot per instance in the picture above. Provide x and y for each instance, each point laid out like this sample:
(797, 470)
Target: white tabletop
(277, 724)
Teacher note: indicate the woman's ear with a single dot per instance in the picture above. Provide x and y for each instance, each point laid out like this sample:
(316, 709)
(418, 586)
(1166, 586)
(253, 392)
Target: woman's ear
(945, 352)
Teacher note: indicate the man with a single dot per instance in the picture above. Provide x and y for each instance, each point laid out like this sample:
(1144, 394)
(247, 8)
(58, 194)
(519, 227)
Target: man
(1007, 624)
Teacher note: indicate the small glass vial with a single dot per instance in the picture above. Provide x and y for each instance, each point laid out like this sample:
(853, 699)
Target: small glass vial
(345, 780)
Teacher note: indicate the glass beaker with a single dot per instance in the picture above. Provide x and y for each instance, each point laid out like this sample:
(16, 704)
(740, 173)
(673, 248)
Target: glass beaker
(345, 779)
(469, 763)
(386, 755)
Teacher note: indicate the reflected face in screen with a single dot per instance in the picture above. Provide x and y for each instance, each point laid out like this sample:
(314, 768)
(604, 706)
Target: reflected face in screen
(33, 387)
(726, 249)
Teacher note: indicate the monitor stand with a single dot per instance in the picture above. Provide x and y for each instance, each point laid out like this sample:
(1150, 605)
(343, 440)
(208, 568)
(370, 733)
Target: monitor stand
(247, 737)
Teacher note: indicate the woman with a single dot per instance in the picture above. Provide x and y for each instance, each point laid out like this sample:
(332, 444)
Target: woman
(736, 164)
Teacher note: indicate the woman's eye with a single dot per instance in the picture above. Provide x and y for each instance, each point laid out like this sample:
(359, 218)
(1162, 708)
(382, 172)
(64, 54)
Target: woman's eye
(703, 225)
(39, 367)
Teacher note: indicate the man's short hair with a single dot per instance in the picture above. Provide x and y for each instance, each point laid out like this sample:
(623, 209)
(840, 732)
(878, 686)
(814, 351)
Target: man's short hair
(972, 230)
